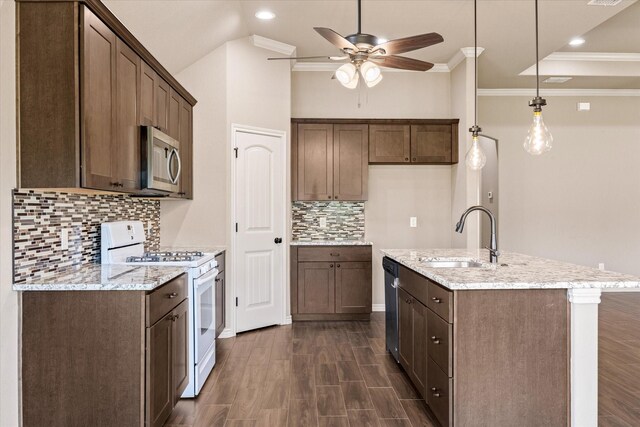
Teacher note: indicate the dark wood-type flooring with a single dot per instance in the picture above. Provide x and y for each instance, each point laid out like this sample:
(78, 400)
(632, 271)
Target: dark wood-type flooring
(306, 374)
(619, 360)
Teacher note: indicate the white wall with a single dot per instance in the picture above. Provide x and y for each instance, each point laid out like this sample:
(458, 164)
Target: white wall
(9, 392)
(581, 201)
(235, 84)
(396, 192)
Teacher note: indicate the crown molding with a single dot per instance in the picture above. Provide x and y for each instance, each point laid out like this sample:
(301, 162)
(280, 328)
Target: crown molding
(593, 57)
(559, 92)
(333, 66)
(462, 54)
(272, 45)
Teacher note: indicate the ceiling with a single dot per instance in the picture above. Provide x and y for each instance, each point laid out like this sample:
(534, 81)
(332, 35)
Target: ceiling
(179, 32)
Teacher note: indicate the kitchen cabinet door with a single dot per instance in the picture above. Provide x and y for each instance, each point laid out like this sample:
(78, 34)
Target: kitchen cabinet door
(162, 96)
(186, 149)
(316, 287)
(220, 303)
(180, 350)
(405, 330)
(389, 144)
(98, 68)
(174, 111)
(148, 83)
(126, 156)
(353, 287)
(315, 162)
(159, 371)
(431, 144)
(419, 339)
(350, 162)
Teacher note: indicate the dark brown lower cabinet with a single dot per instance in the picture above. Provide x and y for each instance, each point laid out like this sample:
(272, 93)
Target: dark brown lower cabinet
(485, 357)
(221, 295)
(104, 358)
(330, 282)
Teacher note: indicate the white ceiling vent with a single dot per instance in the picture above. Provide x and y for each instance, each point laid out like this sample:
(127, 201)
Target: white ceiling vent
(557, 80)
(604, 2)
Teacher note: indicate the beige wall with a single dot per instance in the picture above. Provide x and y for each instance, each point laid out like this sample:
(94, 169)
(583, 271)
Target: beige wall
(395, 192)
(581, 201)
(235, 84)
(203, 220)
(9, 392)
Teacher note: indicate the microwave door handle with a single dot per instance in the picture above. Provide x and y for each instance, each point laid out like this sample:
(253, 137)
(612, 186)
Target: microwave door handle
(174, 179)
(179, 165)
(203, 279)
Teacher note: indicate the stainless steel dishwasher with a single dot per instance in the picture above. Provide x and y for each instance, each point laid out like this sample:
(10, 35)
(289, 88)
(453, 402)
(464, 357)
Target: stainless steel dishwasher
(391, 304)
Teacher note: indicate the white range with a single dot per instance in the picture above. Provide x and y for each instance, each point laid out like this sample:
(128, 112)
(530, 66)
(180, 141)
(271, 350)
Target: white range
(123, 243)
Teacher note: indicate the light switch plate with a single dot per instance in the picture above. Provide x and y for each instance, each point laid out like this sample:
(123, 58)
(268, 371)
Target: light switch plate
(413, 221)
(323, 222)
(601, 266)
(64, 239)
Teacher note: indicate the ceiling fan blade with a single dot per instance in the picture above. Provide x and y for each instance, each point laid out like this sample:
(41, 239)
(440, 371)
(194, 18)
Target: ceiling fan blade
(335, 38)
(300, 57)
(407, 44)
(401, 62)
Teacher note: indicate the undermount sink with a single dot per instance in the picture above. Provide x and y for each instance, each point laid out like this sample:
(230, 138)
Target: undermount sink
(451, 264)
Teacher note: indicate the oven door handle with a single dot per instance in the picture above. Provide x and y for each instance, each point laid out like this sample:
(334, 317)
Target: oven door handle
(174, 152)
(205, 278)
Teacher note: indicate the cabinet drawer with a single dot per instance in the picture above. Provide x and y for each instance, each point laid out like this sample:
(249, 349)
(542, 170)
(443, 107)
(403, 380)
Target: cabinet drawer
(440, 342)
(439, 388)
(414, 284)
(440, 301)
(165, 298)
(334, 253)
(220, 259)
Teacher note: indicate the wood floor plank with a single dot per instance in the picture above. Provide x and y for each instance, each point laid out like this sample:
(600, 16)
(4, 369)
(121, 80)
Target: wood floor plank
(330, 401)
(418, 413)
(356, 395)
(363, 418)
(349, 371)
(272, 418)
(246, 405)
(386, 403)
(403, 386)
(364, 356)
(374, 376)
(333, 422)
(302, 413)
(395, 422)
(326, 374)
(240, 423)
(275, 395)
(212, 416)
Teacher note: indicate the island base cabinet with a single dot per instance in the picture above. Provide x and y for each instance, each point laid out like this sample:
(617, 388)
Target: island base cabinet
(413, 339)
(89, 358)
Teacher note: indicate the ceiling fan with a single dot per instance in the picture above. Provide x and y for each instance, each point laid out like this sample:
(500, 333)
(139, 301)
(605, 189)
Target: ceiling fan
(366, 53)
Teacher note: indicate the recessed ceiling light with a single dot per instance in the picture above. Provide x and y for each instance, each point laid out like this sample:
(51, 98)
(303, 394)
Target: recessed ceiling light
(576, 42)
(265, 15)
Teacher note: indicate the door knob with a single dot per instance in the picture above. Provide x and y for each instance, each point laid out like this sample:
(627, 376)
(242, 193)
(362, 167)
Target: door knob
(277, 240)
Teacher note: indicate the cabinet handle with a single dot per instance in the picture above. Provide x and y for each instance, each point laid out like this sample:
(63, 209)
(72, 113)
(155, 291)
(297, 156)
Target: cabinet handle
(332, 254)
(408, 300)
(435, 392)
(436, 300)
(435, 340)
(172, 295)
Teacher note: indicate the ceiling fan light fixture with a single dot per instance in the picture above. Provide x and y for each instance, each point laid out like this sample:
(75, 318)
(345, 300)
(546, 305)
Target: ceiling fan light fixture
(347, 75)
(372, 83)
(370, 71)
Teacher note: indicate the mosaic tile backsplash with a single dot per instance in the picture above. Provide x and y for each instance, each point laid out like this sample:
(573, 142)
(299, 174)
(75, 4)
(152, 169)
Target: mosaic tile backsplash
(38, 218)
(345, 220)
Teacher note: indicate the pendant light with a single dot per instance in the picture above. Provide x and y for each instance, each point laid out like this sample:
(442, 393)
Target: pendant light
(539, 139)
(475, 158)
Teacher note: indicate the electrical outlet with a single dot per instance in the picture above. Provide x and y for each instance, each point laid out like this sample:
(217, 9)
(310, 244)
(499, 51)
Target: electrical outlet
(323, 222)
(601, 266)
(64, 239)
(413, 221)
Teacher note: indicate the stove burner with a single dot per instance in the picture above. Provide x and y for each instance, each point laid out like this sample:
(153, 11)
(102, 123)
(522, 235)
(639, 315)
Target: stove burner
(167, 256)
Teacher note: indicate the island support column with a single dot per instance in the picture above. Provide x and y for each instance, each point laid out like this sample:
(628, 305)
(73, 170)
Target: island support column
(584, 356)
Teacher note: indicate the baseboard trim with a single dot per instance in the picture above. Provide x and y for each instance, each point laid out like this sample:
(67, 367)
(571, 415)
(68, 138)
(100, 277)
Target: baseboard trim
(287, 320)
(227, 333)
(377, 307)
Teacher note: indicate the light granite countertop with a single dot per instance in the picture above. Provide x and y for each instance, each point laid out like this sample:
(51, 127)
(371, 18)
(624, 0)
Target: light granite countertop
(215, 250)
(103, 277)
(330, 243)
(514, 271)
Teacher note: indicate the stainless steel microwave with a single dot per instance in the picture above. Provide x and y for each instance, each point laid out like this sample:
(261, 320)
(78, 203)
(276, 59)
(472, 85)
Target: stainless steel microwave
(161, 164)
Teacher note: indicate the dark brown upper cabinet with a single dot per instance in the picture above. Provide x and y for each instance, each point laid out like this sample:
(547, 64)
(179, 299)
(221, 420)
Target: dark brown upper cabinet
(432, 144)
(85, 85)
(330, 162)
(389, 143)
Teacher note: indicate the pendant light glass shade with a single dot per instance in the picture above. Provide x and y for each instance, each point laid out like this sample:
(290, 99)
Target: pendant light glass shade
(539, 139)
(475, 159)
(348, 76)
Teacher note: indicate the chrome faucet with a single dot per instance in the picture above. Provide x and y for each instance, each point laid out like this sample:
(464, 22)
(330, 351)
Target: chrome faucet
(493, 247)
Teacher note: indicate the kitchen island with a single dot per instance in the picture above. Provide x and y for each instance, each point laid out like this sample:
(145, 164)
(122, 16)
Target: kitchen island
(513, 343)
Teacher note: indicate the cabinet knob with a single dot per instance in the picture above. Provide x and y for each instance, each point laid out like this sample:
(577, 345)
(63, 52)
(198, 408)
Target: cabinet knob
(338, 266)
(435, 340)
(406, 159)
(335, 197)
(172, 295)
(436, 300)
(329, 196)
(331, 265)
(414, 159)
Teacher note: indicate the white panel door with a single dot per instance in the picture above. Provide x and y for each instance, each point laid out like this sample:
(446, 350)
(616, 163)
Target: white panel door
(260, 217)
